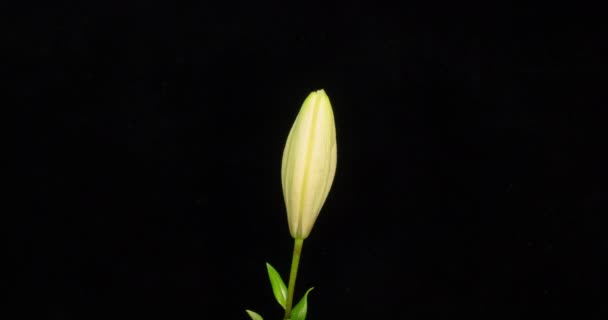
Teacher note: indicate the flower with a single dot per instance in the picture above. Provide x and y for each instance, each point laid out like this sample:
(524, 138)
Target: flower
(309, 163)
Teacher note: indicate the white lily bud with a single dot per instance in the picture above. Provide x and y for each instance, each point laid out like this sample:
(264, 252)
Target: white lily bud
(309, 163)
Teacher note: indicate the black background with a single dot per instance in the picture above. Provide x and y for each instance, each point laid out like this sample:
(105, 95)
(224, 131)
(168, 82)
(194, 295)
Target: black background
(471, 169)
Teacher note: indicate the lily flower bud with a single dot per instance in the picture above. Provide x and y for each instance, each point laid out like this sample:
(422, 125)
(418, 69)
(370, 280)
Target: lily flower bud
(309, 163)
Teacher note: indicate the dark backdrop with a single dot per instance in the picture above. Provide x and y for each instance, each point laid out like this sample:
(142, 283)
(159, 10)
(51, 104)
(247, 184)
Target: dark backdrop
(470, 179)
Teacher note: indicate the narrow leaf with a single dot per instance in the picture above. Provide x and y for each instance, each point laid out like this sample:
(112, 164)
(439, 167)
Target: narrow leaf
(299, 311)
(254, 315)
(278, 286)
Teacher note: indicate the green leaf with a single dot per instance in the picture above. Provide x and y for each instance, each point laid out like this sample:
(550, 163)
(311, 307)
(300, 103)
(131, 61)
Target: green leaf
(278, 286)
(254, 315)
(299, 311)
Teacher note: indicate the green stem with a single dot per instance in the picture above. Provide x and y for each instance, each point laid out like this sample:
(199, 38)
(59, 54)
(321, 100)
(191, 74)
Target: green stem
(295, 262)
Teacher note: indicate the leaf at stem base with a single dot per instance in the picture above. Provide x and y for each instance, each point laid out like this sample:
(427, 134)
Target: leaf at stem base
(299, 311)
(278, 286)
(254, 315)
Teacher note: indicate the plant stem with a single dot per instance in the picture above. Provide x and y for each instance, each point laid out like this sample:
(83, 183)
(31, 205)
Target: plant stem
(295, 262)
